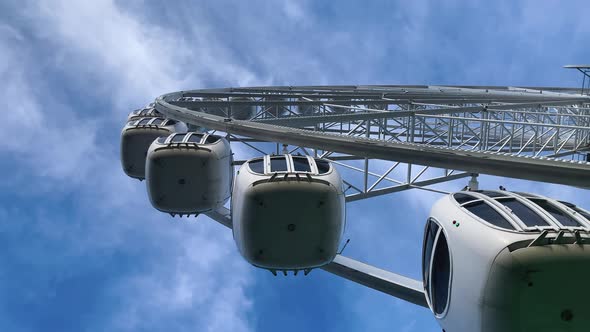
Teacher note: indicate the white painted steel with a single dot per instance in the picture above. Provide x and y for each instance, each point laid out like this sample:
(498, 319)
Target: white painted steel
(487, 130)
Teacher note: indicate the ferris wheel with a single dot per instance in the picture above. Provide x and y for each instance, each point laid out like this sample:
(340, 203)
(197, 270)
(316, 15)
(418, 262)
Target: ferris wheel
(490, 257)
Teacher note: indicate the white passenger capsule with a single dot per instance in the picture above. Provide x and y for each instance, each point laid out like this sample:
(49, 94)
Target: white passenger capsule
(496, 261)
(146, 112)
(288, 212)
(136, 137)
(189, 173)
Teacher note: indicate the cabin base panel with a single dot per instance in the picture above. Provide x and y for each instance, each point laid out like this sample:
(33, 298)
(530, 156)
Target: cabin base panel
(540, 288)
(290, 225)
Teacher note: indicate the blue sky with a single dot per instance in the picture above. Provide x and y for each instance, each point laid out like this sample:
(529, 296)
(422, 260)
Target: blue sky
(81, 248)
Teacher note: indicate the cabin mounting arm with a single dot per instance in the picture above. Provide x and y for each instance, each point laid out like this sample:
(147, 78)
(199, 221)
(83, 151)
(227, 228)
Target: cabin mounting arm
(384, 281)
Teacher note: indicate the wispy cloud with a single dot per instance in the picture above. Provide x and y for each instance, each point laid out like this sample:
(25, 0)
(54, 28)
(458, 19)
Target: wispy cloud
(76, 68)
(111, 57)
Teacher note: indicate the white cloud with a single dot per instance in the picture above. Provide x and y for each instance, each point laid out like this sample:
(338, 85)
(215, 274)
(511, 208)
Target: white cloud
(132, 57)
(199, 279)
(122, 56)
(295, 10)
(114, 55)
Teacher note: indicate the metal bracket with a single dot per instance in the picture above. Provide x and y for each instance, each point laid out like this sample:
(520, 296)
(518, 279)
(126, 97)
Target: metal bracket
(539, 240)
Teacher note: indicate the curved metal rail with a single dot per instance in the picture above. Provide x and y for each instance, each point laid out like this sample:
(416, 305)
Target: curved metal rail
(536, 167)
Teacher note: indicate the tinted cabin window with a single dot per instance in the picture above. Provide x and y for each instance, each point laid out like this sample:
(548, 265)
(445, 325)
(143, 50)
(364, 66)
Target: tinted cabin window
(429, 236)
(257, 166)
(528, 216)
(195, 138)
(301, 164)
(525, 194)
(278, 164)
(157, 122)
(492, 193)
(582, 212)
(463, 198)
(561, 216)
(323, 166)
(441, 275)
(487, 213)
(211, 139)
(144, 121)
(568, 204)
(177, 138)
(170, 122)
(162, 139)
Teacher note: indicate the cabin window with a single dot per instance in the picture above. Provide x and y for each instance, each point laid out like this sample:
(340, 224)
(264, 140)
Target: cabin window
(211, 139)
(487, 213)
(441, 275)
(523, 212)
(582, 212)
(257, 165)
(162, 139)
(463, 198)
(170, 122)
(157, 122)
(577, 209)
(561, 216)
(177, 138)
(492, 193)
(143, 122)
(323, 166)
(525, 194)
(301, 164)
(429, 235)
(195, 138)
(278, 164)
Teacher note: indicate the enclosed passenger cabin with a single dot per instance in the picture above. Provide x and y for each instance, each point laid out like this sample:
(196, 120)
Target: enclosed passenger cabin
(507, 261)
(189, 173)
(147, 112)
(288, 212)
(136, 137)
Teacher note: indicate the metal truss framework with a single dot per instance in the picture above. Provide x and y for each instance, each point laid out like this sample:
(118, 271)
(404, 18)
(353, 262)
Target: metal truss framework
(422, 135)
(387, 139)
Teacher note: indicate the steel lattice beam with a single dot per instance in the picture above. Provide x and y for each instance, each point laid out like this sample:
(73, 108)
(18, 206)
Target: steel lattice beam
(506, 131)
